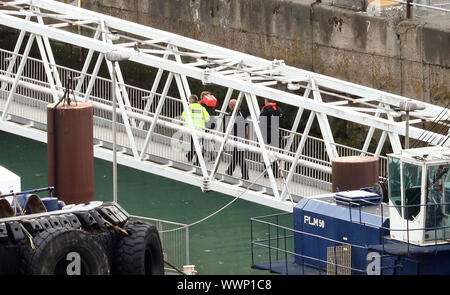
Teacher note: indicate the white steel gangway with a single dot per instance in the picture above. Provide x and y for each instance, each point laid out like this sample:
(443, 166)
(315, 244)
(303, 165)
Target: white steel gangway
(150, 126)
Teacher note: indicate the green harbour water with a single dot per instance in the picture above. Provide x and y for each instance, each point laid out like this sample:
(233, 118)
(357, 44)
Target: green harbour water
(219, 245)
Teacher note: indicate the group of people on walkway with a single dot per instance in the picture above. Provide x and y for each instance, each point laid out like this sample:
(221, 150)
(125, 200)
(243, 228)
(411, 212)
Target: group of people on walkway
(204, 109)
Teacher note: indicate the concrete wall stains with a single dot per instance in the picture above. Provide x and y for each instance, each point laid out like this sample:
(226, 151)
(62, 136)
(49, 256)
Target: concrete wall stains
(406, 57)
(433, 41)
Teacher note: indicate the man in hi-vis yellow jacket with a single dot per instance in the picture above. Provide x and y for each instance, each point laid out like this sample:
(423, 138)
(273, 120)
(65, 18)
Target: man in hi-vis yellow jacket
(199, 117)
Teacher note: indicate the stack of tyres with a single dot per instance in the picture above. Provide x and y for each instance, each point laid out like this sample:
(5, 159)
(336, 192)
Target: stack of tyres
(100, 241)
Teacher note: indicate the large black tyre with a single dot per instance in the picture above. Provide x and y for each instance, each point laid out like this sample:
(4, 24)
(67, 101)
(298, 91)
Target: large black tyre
(107, 238)
(140, 252)
(51, 253)
(9, 259)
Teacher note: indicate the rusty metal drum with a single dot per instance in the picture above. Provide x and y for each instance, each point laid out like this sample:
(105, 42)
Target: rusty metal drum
(70, 151)
(354, 172)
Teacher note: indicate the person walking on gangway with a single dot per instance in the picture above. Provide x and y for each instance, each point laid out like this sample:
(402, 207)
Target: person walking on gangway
(240, 129)
(271, 119)
(199, 118)
(209, 102)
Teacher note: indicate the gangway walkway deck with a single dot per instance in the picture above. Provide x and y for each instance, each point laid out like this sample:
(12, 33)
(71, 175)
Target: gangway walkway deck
(150, 129)
(30, 116)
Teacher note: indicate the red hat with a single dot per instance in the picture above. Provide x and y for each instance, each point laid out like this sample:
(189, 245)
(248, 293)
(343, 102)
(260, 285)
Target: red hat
(209, 100)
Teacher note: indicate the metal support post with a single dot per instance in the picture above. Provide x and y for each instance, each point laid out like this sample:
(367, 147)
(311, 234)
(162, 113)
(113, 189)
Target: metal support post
(408, 8)
(407, 130)
(114, 57)
(114, 131)
(124, 95)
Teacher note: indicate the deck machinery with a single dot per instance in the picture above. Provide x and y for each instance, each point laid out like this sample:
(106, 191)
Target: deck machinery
(355, 232)
(402, 229)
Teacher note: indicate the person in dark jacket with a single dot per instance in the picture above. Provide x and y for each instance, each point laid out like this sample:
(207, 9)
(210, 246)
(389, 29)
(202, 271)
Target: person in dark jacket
(240, 129)
(209, 102)
(271, 117)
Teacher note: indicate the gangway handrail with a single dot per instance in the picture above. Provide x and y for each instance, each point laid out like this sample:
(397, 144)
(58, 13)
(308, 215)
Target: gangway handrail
(174, 120)
(174, 125)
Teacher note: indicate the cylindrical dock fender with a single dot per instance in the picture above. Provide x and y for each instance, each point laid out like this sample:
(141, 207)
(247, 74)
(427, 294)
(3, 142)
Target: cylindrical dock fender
(70, 151)
(354, 172)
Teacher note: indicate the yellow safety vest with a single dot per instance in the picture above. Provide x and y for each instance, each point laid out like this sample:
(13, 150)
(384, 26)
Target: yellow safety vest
(199, 115)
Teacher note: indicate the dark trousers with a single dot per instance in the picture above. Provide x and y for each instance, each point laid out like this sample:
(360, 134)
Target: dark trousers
(192, 153)
(276, 171)
(238, 157)
(210, 145)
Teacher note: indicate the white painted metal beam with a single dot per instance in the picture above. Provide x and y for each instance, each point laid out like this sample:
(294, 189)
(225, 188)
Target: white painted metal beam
(298, 153)
(239, 84)
(267, 160)
(159, 107)
(18, 75)
(230, 127)
(161, 170)
(194, 45)
(181, 128)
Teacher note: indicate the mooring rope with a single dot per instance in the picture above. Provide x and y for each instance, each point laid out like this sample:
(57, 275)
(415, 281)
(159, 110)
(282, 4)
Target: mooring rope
(217, 211)
(174, 267)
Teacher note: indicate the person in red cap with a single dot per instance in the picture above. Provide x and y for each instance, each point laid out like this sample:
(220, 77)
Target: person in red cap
(209, 102)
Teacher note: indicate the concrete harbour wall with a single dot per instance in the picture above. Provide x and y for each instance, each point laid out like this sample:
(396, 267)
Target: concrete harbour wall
(406, 57)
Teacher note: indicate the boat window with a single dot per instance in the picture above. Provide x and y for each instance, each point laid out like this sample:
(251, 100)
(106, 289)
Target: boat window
(394, 183)
(438, 203)
(412, 180)
(446, 191)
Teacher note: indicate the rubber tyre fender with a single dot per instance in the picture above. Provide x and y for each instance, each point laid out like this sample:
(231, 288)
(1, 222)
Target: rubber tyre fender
(139, 252)
(9, 259)
(108, 239)
(52, 247)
